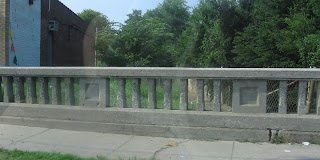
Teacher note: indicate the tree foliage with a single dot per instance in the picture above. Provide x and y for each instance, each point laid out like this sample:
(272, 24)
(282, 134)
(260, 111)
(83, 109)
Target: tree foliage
(215, 33)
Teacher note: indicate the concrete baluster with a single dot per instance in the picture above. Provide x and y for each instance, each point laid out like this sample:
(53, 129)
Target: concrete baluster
(217, 95)
(1, 95)
(56, 91)
(184, 94)
(136, 93)
(302, 97)
(318, 99)
(44, 92)
(32, 91)
(152, 94)
(69, 89)
(121, 86)
(200, 95)
(8, 89)
(19, 84)
(283, 89)
(167, 94)
(107, 98)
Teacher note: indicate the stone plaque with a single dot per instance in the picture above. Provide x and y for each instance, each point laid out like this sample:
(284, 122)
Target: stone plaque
(249, 96)
(94, 92)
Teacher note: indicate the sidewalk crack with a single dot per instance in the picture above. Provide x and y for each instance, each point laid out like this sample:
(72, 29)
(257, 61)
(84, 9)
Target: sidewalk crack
(123, 144)
(232, 150)
(26, 138)
(166, 147)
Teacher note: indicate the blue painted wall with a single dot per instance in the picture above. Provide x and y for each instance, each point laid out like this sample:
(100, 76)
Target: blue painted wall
(25, 24)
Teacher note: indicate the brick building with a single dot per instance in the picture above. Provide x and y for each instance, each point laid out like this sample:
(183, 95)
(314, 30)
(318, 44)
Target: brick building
(43, 33)
(72, 42)
(4, 32)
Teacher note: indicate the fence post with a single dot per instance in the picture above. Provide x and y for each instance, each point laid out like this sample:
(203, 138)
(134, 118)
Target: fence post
(152, 94)
(184, 94)
(44, 92)
(167, 94)
(32, 93)
(69, 89)
(19, 84)
(136, 93)
(121, 86)
(217, 95)
(107, 100)
(318, 98)
(200, 95)
(56, 91)
(302, 95)
(1, 95)
(283, 89)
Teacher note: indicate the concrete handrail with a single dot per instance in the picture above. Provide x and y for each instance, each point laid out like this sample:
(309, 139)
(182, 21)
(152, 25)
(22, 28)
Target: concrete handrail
(48, 95)
(172, 73)
(252, 80)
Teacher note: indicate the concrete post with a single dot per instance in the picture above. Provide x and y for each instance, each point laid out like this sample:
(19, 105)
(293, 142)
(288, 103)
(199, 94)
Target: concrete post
(56, 91)
(184, 94)
(19, 84)
(136, 93)
(4, 32)
(217, 96)
(318, 99)
(200, 95)
(1, 95)
(44, 92)
(107, 98)
(283, 97)
(121, 86)
(152, 93)
(302, 97)
(32, 92)
(69, 95)
(167, 94)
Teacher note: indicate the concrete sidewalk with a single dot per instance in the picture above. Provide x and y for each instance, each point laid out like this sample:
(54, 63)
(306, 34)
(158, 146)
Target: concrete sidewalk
(89, 144)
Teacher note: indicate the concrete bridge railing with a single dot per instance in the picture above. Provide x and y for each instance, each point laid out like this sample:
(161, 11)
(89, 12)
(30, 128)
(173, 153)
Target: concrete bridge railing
(249, 97)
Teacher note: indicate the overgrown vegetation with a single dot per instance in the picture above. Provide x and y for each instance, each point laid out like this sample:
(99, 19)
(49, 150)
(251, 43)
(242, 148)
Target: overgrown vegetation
(23, 155)
(216, 33)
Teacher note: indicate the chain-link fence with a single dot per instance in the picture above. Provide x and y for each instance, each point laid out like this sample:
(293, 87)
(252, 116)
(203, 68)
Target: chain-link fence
(272, 96)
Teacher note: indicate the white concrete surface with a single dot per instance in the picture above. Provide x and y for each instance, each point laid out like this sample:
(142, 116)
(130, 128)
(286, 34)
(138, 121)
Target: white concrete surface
(89, 144)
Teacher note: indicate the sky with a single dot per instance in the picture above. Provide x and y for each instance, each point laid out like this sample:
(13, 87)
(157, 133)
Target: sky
(116, 10)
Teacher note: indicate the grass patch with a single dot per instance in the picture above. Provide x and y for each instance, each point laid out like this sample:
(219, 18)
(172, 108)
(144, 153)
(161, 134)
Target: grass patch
(23, 155)
(248, 141)
(278, 140)
(282, 139)
(315, 142)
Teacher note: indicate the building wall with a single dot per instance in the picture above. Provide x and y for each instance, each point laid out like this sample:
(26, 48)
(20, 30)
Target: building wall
(72, 44)
(25, 23)
(4, 31)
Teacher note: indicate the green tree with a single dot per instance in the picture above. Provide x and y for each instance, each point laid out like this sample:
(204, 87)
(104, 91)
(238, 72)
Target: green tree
(147, 40)
(142, 41)
(207, 40)
(105, 33)
(257, 45)
(309, 49)
(96, 19)
(219, 34)
(174, 13)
